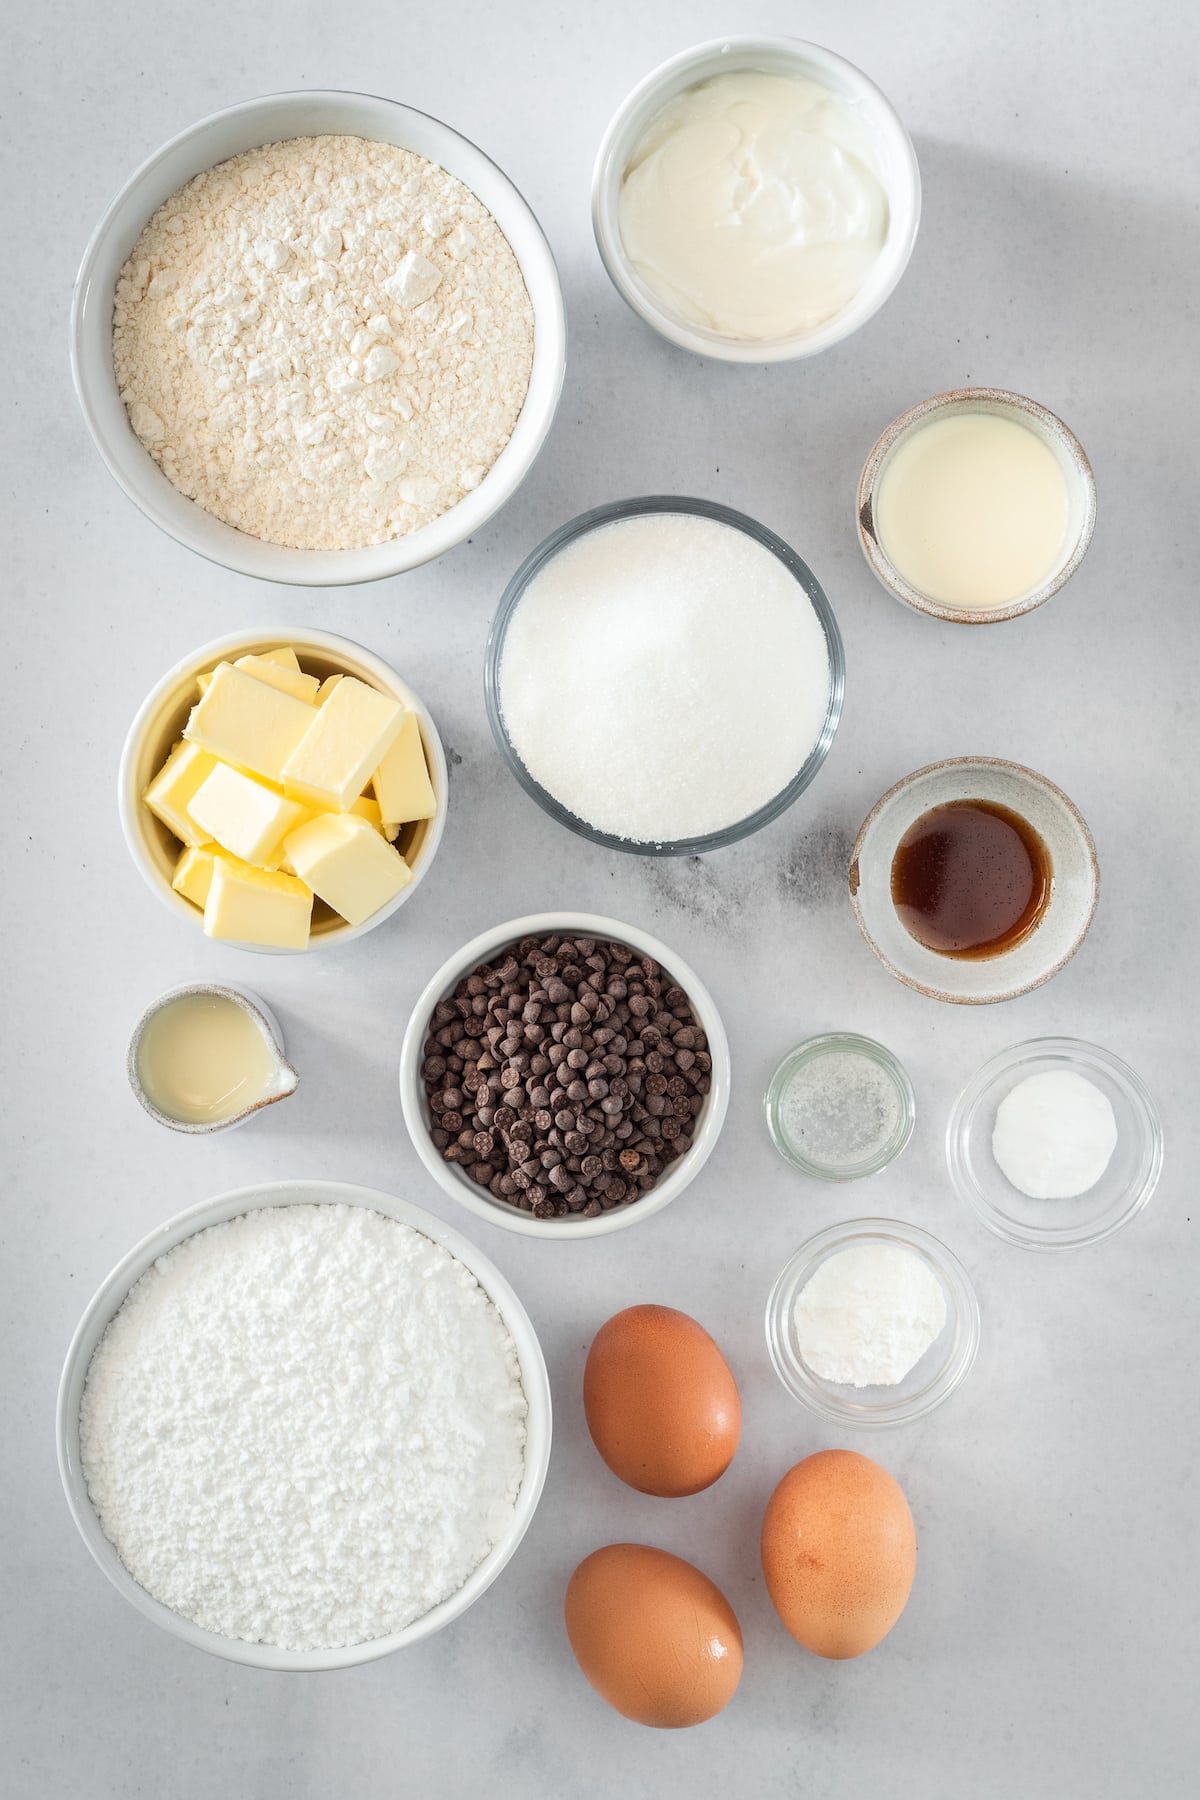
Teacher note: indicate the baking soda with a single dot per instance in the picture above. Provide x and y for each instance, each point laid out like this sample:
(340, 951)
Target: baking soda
(664, 677)
(304, 1427)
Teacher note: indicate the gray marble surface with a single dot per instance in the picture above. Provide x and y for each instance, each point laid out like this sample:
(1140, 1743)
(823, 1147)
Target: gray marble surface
(1049, 1648)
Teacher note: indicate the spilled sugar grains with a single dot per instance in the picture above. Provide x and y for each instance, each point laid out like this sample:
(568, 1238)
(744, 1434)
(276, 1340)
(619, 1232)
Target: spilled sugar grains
(565, 1075)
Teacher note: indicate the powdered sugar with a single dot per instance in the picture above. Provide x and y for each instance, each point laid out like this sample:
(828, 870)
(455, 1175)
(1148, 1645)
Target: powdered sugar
(664, 676)
(868, 1314)
(326, 342)
(304, 1427)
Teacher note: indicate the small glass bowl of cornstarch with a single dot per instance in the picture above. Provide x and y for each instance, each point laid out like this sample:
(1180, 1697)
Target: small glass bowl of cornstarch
(318, 338)
(874, 1322)
(664, 676)
(1045, 1114)
(840, 1107)
(303, 1425)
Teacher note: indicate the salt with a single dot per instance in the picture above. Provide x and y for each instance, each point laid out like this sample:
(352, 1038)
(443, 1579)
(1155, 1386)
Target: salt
(839, 1109)
(664, 676)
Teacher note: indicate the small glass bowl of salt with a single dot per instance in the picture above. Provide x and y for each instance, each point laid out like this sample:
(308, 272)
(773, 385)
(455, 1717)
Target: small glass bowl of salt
(1055, 1144)
(840, 1107)
(874, 1322)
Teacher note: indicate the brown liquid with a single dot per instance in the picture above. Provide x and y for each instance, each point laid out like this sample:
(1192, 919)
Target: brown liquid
(970, 879)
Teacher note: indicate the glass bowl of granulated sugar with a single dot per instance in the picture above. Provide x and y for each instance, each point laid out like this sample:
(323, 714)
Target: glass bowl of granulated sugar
(664, 676)
(318, 338)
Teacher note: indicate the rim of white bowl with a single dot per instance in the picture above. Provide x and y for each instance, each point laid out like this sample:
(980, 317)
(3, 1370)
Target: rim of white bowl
(130, 805)
(634, 113)
(571, 924)
(135, 471)
(108, 1298)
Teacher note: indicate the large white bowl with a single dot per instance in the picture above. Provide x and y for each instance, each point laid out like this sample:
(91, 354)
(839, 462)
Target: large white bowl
(161, 718)
(419, 1119)
(265, 121)
(776, 56)
(108, 1298)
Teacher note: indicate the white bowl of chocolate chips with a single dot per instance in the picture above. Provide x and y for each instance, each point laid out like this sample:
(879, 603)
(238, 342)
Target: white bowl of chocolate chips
(564, 1075)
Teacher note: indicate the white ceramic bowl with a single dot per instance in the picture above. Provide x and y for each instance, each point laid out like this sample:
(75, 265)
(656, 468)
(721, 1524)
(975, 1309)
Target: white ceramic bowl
(1062, 444)
(162, 717)
(418, 1117)
(106, 1302)
(1074, 886)
(264, 121)
(776, 56)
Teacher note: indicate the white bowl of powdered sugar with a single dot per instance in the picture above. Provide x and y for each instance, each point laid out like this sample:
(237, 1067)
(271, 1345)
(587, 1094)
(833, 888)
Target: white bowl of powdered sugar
(318, 338)
(303, 1425)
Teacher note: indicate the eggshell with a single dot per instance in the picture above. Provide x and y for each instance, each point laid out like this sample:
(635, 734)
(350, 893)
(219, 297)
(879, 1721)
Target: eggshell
(654, 1636)
(839, 1552)
(661, 1403)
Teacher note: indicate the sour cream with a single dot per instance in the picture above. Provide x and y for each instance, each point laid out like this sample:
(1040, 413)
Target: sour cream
(753, 205)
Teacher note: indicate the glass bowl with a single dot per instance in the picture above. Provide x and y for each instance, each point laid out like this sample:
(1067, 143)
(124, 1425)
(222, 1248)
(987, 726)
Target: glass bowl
(940, 1371)
(812, 1050)
(630, 509)
(1121, 1192)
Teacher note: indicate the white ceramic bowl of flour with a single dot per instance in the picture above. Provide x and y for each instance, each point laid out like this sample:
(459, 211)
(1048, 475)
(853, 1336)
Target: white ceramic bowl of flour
(226, 134)
(107, 1301)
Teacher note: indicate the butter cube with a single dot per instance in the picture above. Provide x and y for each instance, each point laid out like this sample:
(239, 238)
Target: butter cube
(245, 817)
(326, 688)
(193, 875)
(284, 655)
(254, 906)
(402, 785)
(348, 738)
(202, 682)
(243, 720)
(347, 864)
(282, 676)
(172, 789)
(368, 809)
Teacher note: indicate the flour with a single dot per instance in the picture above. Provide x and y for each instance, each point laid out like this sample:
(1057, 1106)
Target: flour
(868, 1315)
(325, 342)
(304, 1427)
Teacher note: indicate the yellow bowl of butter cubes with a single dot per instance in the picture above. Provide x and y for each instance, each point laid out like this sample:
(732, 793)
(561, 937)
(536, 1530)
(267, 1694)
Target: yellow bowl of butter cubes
(283, 790)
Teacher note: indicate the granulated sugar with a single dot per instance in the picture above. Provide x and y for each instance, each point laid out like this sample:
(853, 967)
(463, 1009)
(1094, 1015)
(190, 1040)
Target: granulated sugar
(664, 676)
(325, 342)
(304, 1427)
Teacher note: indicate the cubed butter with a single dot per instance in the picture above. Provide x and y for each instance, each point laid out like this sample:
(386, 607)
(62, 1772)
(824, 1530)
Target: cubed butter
(347, 739)
(175, 785)
(281, 675)
(347, 864)
(244, 816)
(202, 682)
(402, 785)
(368, 809)
(255, 906)
(284, 655)
(243, 720)
(327, 686)
(193, 875)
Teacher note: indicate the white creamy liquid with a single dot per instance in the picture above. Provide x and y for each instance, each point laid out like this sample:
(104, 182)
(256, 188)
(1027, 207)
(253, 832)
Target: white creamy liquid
(972, 509)
(753, 205)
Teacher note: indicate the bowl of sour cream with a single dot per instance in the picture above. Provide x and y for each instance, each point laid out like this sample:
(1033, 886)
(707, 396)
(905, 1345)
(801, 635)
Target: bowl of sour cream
(756, 199)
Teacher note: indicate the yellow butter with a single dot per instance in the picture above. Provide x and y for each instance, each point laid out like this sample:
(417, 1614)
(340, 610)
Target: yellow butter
(348, 738)
(368, 809)
(281, 675)
(326, 688)
(243, 720)
(174, 786)
(284, 655)
(254, 906)
(244, 816)
(193, 875)
(202, 682)
(347, 864)
(402, 785)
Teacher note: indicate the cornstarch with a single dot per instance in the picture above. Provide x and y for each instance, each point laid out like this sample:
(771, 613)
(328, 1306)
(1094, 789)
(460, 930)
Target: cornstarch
(325, 342)
(304, 1427)
(868, 1314)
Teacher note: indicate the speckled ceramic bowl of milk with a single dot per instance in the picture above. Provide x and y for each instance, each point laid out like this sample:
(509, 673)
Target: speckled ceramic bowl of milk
(107, 1301)
(780, 56)
(273, 119)
(1073, 886)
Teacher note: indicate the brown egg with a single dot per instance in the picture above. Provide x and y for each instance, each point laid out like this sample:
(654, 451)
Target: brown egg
(839, 1552)
(654, 1636)
(661, 1403)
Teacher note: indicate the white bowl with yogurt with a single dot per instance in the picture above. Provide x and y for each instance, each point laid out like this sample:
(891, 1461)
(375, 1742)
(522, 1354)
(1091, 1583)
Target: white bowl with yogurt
(218, 1212)
(275, 119)
(776, 262)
